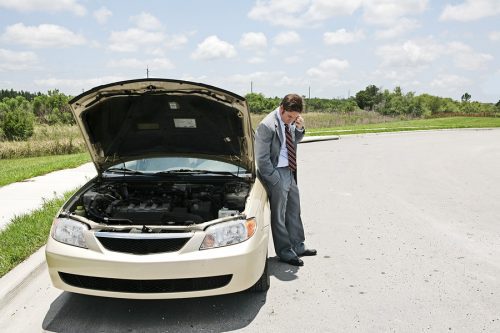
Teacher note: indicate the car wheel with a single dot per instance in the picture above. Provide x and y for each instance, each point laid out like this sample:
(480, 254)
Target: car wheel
(263, 282)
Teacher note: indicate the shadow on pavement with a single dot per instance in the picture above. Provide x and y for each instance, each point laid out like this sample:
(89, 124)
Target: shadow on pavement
(282, 271)
(80, 313)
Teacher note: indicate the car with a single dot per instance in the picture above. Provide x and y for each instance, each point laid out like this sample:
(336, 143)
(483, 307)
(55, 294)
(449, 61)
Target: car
(176, 209)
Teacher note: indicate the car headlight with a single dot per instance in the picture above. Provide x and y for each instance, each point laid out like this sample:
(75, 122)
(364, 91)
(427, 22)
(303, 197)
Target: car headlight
(70, 232)
(228, 233)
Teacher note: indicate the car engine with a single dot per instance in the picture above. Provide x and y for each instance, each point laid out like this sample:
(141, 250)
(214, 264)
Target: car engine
(162, 203)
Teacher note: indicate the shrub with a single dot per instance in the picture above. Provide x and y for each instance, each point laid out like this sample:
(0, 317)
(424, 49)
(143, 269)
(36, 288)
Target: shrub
(18, 124)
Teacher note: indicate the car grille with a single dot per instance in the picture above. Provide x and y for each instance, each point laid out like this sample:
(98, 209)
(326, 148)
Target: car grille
(142, 243)
(145, 286)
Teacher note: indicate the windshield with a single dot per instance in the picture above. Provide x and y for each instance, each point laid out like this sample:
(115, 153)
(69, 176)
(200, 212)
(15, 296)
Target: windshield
(165, 164)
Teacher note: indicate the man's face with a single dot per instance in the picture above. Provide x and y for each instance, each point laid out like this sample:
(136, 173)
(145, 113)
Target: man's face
(288, 116)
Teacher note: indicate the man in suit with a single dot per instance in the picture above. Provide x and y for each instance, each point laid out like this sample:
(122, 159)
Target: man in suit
(276, 141)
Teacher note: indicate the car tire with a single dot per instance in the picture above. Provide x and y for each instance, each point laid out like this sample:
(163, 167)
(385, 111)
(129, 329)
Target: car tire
(263, 282)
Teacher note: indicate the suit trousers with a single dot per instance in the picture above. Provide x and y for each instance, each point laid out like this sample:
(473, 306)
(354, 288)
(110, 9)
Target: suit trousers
(286, 223)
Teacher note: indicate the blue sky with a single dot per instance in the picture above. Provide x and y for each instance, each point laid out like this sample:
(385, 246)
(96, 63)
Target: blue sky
(333, 47)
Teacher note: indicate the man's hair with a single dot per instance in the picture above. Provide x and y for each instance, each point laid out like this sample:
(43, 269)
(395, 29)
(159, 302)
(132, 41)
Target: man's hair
(292, 102)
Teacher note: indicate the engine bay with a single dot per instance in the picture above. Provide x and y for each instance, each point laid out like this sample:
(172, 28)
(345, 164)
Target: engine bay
(161, 203)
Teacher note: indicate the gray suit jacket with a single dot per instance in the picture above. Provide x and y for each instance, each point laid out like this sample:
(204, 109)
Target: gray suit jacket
(268, 139)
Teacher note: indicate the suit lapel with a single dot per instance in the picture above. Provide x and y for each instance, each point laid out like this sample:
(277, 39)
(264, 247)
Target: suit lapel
(277, 128)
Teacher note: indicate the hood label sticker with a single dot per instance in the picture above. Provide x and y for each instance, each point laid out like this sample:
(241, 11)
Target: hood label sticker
(184, 123)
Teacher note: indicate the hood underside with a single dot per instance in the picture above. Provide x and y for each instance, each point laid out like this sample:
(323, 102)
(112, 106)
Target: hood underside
(144, 118)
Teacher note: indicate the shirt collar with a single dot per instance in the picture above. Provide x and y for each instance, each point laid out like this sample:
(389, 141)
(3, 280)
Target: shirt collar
(282, 124)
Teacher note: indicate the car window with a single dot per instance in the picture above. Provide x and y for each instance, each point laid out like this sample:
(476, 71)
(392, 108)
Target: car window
(158, 164)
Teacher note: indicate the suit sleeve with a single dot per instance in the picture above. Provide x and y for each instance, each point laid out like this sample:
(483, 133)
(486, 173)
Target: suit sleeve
(263, 140)
(299, 134)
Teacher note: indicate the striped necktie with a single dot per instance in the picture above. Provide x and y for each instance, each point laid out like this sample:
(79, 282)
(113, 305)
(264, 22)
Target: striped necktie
(292, 159)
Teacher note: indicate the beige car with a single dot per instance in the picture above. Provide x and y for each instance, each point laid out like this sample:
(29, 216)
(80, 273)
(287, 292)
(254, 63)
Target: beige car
(176, 209)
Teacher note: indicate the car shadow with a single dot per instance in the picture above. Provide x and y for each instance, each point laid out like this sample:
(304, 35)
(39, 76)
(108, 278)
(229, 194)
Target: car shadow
(81, 313)
(282, 271)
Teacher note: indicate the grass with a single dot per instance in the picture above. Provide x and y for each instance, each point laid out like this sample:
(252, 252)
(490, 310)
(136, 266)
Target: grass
(46, 140)
(327, 120)
(27, 233)
(410, 125)
(14, 170)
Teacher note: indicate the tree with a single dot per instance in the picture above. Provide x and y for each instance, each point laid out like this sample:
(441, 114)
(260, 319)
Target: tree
(53, 108)
(17, 119)
(258, 103)
(369, 98)
(466, 97)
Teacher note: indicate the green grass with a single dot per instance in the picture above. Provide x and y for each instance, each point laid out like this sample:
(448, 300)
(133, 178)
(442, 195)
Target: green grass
(27, 233)
(410, 125)
(14, 170)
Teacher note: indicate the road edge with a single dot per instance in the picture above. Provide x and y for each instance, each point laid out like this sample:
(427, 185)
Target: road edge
(316, 138)
(16, 278)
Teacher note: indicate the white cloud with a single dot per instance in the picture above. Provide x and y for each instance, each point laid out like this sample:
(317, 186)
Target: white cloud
(132, 39)
(386, 12)
(286, 38)
(176, 41)
(412, 53)
(470, 10)
(397, 75)
(45, 6)
(102, 15)
(147, 32)
(297, 13)
(465, 57)
(324, 9)
(253, 40)
(449, 82)
(292, 60)
(12, 60)
(44, 35)
(256, 76)
(152, 64)
(213, 48)
(342, 36)
(494, 36)
(256, 60)
(270, 83)
(78, 85)
(417, 54)
(146, 21)
(328, 68)
(399, 28)
(279, 12)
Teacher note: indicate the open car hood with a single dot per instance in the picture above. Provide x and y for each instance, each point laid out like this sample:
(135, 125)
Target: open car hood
(143, 118)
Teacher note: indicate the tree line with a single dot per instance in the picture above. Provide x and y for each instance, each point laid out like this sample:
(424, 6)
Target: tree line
(21, 110)
(391, 103)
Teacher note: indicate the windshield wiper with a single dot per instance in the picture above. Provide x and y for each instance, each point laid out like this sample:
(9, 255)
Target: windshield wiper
(125, 170)
(198, 172)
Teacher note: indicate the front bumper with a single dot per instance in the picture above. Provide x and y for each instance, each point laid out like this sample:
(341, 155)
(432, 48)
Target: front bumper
(198, 272)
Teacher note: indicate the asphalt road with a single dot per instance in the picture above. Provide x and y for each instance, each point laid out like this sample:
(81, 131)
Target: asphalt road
(407, 227)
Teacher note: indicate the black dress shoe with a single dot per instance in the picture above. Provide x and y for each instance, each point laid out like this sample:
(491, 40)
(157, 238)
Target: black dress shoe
(309, 252)
(294, 261)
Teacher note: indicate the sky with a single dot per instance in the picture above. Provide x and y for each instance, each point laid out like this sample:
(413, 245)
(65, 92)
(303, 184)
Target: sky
(317, 48)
